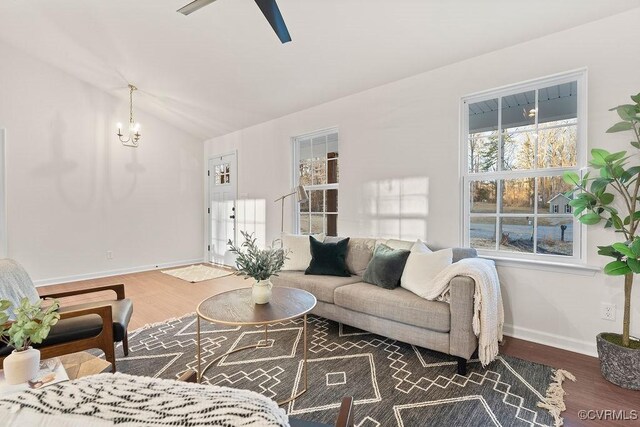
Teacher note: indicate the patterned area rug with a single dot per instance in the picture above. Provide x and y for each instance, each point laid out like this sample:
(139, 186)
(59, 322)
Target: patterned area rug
(393, 384)
(198, 273)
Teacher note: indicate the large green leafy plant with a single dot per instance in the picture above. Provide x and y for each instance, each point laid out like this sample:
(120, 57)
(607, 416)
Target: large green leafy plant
(254, 262)
(611, 196)
(31, 325)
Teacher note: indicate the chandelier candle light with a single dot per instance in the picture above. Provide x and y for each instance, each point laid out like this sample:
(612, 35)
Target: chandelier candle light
(134, 128)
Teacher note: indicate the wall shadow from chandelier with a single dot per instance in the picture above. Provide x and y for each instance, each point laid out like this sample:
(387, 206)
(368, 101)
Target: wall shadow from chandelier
(75, 193)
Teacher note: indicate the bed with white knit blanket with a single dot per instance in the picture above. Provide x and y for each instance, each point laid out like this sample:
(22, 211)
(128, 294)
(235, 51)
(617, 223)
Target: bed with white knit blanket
(126, 400)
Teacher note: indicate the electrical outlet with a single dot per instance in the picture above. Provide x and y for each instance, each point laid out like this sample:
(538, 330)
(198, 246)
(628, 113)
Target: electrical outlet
(109, 255)
(608, 311)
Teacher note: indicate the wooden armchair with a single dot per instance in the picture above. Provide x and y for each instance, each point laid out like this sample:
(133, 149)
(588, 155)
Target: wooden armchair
(112, 312)
(82, 326)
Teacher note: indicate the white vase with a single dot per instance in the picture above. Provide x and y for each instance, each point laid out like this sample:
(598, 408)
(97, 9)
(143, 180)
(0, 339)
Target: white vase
(261, 291)
(21, 366)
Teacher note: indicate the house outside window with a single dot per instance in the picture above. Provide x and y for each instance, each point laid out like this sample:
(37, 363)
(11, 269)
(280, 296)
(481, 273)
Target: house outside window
(316, 168)
(516, 144)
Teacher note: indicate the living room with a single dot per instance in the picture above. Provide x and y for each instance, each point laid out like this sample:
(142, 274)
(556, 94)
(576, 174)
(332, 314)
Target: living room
(389, 87)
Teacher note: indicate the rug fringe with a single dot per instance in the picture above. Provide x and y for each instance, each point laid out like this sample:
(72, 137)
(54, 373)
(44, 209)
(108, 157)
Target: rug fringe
(554, 399)
(153, 325)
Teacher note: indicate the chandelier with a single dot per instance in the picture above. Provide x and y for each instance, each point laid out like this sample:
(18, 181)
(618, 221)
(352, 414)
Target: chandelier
(133, 135)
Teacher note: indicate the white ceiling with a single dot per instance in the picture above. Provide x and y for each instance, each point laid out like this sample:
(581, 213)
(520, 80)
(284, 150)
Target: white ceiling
(222, 68)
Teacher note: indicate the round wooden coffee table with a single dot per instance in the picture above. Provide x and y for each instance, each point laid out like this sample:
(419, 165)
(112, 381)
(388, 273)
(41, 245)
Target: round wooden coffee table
(237, 308)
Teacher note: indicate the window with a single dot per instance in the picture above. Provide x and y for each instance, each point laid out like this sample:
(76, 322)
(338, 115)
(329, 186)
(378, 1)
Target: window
(517, 143)
(222, 174)
(316, 168)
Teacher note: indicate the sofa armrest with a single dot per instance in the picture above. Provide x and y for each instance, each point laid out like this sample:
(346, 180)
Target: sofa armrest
(462, 340)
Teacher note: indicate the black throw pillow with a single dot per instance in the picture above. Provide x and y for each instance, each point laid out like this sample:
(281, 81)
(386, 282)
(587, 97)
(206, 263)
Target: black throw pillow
(386, 267)
(328, 259)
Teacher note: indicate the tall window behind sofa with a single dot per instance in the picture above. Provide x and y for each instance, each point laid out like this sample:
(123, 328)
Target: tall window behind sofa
(316, 168)
(516, 144)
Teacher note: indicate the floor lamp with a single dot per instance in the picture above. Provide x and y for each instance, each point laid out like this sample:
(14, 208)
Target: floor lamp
(301, 197)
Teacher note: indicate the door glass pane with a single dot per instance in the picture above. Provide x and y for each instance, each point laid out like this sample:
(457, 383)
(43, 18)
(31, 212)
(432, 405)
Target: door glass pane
(482, 232)
(517, 195)
(555, 235)
(483, 196)
(551, 198)
(516, 234)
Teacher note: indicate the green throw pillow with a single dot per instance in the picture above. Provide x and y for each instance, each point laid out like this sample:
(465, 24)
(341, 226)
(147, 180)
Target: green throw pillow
(386, 267)
(328, 259)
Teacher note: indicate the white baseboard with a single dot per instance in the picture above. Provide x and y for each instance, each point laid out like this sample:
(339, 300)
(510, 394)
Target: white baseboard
(553, 340)
(88, 276)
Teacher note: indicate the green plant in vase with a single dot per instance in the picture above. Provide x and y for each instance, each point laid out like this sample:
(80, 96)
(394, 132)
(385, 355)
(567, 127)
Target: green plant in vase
(31, 325)
(609, 195)
(259, 264)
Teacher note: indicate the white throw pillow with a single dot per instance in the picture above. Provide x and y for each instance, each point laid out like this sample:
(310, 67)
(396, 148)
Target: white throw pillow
(420, 247)
(299, 247)
(422, 268)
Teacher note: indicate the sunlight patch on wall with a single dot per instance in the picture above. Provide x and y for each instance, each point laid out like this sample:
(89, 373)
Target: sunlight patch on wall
(396, 208)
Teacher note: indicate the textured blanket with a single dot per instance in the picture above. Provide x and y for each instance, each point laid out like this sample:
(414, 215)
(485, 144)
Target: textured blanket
(127, 400)
(15, 284)
(488, 313)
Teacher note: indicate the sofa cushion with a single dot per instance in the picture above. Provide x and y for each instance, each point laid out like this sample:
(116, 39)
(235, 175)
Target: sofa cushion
(421, 270)
(328, 259)
(395, 304)
(322, 287)
(386, 266)
(299, 251)
(398, 244)
(359, 252)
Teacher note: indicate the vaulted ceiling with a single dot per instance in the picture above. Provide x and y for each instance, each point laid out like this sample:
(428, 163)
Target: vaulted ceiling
(222, 68)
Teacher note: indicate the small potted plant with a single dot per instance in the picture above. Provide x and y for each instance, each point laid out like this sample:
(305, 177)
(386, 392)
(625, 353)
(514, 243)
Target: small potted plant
(611, 198)
(31, 326)
(259, 264)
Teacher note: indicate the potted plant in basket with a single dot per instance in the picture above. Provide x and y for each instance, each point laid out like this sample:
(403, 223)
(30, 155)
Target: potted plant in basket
(31, 326)
(259, 264)
(611, 197)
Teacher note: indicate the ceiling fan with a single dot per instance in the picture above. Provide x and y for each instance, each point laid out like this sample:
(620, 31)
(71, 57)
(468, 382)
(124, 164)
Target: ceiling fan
(269, 9)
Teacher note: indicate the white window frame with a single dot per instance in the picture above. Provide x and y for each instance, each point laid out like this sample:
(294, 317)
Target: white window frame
(295, 142)
(579, 235)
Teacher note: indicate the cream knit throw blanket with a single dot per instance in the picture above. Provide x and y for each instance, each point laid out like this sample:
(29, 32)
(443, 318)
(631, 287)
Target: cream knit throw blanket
(488, 313)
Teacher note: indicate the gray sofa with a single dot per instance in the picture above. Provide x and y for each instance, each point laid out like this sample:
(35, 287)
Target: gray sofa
(397, 313)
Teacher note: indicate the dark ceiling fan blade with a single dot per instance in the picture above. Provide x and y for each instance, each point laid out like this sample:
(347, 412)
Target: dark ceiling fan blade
(270, 11)
(193, 6)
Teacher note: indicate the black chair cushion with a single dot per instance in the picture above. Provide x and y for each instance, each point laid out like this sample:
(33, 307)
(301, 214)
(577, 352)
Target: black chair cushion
(121, 311)
(67, 330)
(76, 328)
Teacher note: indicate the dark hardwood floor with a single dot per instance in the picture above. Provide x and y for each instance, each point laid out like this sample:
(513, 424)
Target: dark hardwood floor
(157, 296)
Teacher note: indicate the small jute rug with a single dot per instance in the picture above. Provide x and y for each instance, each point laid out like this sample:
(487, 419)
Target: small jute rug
(198, 273)
(393, 384)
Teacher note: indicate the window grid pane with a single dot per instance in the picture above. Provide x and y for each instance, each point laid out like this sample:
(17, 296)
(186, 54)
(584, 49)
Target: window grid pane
(533, 131)
(318, 171)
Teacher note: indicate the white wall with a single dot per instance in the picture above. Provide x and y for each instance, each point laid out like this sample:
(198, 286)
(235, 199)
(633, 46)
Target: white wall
(408, 131)
(74, 192)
